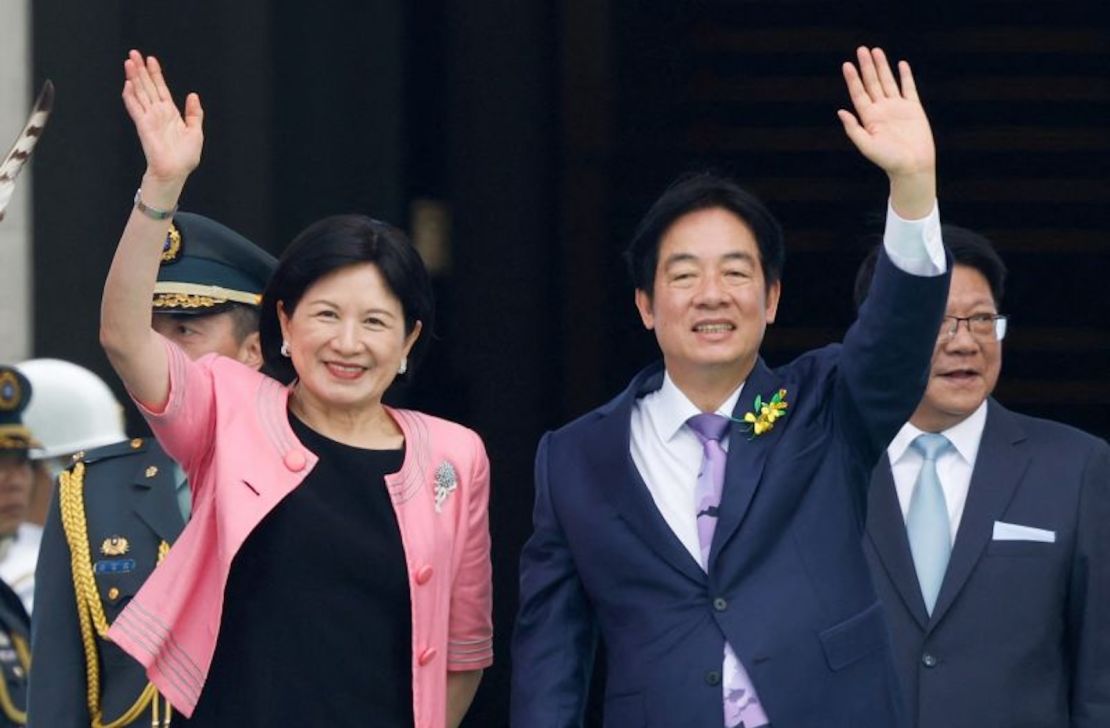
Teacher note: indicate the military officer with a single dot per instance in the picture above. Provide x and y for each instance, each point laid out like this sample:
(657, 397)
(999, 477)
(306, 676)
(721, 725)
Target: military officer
(15, 496)
(19, 539)
(73, 410)
(118, 508)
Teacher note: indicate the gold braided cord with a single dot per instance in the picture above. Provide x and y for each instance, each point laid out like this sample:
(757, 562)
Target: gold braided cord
(90, 610)
(23, 650)
(7, 705)
(14, 714)
(182, 300)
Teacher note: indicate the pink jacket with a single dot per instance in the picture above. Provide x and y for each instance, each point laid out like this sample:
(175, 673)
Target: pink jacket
(227, 425)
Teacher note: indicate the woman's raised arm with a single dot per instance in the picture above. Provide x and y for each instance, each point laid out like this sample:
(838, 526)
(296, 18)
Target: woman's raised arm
(172, 144)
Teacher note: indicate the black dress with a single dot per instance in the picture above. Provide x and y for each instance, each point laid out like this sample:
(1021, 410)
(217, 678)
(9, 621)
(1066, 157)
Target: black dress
(316, 627)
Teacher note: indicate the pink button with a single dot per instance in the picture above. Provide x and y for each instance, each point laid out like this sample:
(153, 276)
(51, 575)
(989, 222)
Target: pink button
(295, 460)
(423, 575)
(427, 656)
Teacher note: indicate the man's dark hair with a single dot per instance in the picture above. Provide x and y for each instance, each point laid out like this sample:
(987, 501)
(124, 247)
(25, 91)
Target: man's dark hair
(244, 319)
(338, 242)
(703, 191)
(967, 248)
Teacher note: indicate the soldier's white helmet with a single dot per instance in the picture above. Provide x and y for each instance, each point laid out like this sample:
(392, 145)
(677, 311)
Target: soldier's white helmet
(71, 409)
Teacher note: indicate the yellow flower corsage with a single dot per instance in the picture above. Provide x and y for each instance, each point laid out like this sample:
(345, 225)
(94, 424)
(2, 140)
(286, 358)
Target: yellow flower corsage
(762, 419)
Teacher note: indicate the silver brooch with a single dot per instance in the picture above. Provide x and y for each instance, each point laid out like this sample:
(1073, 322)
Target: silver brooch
(446, 481)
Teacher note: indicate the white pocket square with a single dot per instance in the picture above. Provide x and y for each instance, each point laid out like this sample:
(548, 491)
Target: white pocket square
(1016, 532)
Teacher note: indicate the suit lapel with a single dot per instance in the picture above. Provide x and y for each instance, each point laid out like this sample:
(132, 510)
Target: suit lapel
(747, 454)
(156, 495)
(627, 491)
(887, 530)
(999, 466)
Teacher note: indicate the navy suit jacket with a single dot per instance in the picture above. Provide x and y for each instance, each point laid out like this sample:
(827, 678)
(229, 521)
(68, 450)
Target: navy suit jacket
(1020, 634)
(787, 584)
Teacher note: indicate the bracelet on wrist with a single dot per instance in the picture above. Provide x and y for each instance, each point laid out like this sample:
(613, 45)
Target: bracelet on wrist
(154, 213)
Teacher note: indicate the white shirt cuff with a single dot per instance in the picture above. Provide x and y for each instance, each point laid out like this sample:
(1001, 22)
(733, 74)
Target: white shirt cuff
(915, 246)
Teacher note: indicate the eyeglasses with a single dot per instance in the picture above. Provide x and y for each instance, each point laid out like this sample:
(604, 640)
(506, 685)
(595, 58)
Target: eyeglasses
(982, 326)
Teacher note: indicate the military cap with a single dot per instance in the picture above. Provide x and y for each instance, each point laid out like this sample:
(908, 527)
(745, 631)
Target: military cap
(207, 266)
(15, 393)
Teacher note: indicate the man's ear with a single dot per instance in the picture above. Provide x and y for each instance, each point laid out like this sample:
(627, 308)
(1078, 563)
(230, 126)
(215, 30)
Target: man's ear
(643, 305)
(774, 291)
(250, 350)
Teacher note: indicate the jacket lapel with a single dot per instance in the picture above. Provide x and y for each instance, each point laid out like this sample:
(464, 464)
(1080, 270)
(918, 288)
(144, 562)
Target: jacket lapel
(999, 466)
(887, 530)
(156, 495)
(747, 454)
(626, 489)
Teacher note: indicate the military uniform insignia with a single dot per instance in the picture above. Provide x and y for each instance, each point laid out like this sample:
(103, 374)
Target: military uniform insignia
(171, 249)
(446, 482)
(152, 471)
(114, 566)
(11, 393)
(115, 546)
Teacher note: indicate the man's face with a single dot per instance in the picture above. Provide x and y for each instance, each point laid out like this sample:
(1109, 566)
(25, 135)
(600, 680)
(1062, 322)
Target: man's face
(965, 367)
(199, 334)
(710, 304)
(15, 490)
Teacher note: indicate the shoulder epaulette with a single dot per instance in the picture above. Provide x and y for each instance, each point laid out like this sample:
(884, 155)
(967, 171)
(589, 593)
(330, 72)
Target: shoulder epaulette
(115, 450)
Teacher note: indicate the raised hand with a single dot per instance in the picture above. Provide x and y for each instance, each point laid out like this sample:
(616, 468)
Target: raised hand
(172, 142)
(890, 129)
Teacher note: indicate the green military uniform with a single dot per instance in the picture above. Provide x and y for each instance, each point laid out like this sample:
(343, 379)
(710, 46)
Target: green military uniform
(116, 512)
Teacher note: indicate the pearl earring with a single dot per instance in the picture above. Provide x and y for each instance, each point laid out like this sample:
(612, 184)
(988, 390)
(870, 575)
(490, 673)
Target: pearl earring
(285, 349)
(404, 365)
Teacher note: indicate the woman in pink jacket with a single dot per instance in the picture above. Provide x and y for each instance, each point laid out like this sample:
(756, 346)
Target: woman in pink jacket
(336, 568)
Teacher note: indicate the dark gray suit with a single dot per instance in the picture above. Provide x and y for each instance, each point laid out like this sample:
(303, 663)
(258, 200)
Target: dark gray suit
(130, 508)
(1020, 635)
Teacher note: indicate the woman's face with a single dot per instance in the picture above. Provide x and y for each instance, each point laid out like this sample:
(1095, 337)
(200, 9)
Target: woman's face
(347, 337)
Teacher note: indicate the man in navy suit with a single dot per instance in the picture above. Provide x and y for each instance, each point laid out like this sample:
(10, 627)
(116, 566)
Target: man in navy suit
(707, 522)
(999, 605)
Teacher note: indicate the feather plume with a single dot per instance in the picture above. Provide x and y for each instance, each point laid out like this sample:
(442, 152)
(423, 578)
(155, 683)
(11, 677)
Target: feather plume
(24, 144)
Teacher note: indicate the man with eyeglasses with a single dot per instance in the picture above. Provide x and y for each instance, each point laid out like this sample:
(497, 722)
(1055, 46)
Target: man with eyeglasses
(988, 535)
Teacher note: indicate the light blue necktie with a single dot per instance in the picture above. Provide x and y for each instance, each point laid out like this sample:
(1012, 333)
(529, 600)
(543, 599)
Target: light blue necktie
(927, 522)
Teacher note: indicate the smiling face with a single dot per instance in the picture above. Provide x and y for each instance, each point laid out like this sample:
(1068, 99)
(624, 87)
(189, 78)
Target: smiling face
(710, 303)
(965, 368)
(347, 337)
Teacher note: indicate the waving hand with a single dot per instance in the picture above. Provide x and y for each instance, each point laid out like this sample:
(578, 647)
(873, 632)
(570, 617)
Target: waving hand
(171, 141)
(890, 128)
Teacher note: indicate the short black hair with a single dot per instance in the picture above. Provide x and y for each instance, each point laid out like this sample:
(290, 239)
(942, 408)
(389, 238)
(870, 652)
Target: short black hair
(334, 243)
(244, 320)
(244, 317)
(701, 191)
(967, 248)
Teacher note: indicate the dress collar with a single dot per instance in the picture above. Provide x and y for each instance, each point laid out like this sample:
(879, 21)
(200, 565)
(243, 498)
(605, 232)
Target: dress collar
(964, 436)
(670, 408)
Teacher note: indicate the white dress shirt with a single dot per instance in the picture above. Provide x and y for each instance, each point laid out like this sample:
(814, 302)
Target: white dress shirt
(19, 556)
(668, 454)
(954, 466)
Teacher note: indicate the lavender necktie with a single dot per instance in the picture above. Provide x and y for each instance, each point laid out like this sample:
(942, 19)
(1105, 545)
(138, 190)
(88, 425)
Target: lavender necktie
(742, 706)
